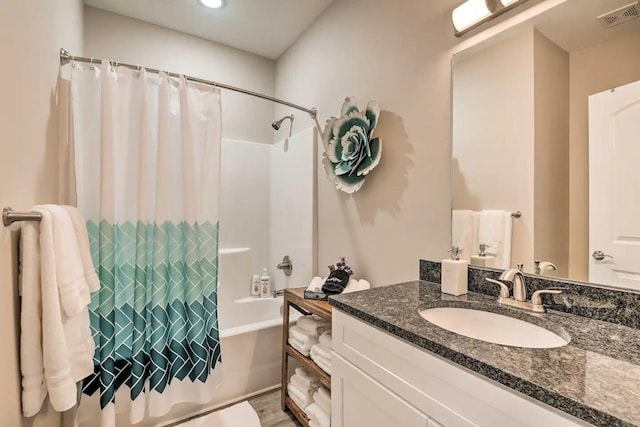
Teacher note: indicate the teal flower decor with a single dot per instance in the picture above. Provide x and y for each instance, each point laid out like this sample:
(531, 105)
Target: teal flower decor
(351, 152)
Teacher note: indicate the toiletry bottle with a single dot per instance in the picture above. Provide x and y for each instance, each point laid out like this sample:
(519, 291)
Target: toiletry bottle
(255, 285)
(265, 284)
(454, 274)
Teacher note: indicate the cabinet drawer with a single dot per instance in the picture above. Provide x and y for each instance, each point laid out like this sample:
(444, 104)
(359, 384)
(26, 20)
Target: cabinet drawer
(359, 400)
(452, 395)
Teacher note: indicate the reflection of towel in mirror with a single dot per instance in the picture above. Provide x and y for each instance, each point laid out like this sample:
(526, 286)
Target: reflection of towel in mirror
(494, 230)
(462, 232)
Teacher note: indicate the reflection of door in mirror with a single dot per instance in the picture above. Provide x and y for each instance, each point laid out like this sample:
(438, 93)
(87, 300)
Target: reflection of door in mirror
(614, 186)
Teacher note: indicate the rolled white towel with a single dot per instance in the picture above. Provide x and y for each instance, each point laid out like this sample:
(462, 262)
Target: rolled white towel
(302, 335)
(313, 325)
(319, 417)
(301, 398)
(303, 385)
(356, 285)
(323, 398)
(316, 284)
(326, 340)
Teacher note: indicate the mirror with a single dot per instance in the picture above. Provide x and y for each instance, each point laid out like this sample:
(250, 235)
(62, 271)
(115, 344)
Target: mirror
(546, 118)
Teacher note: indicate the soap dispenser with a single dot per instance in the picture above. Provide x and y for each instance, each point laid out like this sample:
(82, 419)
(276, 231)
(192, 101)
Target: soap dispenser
(482, 259)
(454, 274)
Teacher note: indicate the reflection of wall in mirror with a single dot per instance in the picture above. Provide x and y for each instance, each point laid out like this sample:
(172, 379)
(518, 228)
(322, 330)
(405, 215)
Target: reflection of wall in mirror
(501, 121)
(594, 69)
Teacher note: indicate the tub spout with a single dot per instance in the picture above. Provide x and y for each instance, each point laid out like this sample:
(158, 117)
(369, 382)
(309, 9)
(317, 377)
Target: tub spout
(278, 293)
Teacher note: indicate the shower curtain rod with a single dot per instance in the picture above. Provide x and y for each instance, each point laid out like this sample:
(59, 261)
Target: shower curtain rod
(66, 57)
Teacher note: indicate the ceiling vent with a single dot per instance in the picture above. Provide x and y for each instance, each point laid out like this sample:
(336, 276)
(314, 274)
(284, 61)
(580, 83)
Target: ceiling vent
(619, 16)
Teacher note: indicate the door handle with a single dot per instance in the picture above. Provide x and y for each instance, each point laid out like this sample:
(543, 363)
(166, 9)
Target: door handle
(600, 256)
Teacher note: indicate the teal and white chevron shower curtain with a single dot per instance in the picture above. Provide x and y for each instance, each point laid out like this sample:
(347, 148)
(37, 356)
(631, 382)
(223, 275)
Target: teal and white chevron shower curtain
(146, 159)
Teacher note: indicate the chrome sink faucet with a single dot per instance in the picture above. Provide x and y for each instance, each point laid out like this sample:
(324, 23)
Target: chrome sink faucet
(519, 299)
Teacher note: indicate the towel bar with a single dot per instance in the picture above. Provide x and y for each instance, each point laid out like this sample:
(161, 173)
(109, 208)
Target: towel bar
(9, 216)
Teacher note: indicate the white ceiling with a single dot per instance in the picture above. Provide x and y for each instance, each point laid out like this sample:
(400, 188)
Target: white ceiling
(573, 26)
(263, 27)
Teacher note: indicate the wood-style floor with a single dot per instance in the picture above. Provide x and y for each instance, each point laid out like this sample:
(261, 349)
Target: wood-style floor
(271, 415)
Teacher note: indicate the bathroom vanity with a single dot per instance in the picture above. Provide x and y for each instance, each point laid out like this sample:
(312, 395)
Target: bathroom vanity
(393, 367)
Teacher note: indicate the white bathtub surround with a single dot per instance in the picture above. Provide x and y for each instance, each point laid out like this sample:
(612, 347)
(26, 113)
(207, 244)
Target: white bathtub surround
(241, 414)
(148, 183)
(292, 210)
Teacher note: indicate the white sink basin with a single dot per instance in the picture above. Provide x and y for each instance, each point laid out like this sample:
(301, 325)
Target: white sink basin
(492, 327)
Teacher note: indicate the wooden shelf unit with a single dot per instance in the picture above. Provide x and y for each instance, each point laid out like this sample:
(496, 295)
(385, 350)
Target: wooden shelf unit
(295, 298)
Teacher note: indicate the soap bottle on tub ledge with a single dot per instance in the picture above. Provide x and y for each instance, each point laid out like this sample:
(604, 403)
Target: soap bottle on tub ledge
(454, 274)
(265, 284)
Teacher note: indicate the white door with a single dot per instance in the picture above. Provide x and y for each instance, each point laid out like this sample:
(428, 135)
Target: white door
(614, 187)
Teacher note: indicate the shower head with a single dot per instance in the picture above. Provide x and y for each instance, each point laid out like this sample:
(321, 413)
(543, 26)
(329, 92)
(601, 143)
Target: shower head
(276, 125)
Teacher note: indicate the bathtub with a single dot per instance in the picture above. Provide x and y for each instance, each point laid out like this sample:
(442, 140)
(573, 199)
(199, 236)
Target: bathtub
(251, 341)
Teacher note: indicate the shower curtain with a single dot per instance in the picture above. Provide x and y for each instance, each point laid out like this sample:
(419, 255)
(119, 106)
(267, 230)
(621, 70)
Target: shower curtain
(145, 163)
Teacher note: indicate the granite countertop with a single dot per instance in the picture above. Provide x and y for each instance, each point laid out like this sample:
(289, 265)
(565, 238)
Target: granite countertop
(596, 377)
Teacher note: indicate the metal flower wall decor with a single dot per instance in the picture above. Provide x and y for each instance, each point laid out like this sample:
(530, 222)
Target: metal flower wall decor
(351, 152)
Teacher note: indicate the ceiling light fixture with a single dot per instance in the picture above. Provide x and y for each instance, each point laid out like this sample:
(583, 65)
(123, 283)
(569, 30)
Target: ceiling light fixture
(213, 4)
(473, 13)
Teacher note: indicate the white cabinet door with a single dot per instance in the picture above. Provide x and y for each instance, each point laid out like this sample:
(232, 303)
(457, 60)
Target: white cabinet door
(358, 400)
(614, 186)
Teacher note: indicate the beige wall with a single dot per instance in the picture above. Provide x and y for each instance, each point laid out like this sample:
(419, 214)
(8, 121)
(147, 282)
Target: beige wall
(493, 134)
(592, 70)
(398, 55)
(115, 37)
(31, 34)
(551, 159)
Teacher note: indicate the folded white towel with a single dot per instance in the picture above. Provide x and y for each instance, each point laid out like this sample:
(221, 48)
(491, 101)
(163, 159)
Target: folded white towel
(322, 351)
(304, 374)
(313, 325)
(326, 340)
(302, 399)
(70, 273)
(316, 284)
(80, 227)
(323, 398)
(33, 387)
(302, 335)
(318, 416)
(322, 362)
(304, 384)
(304, 349)
(67, 345)
(462, 232)
(494, 230)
